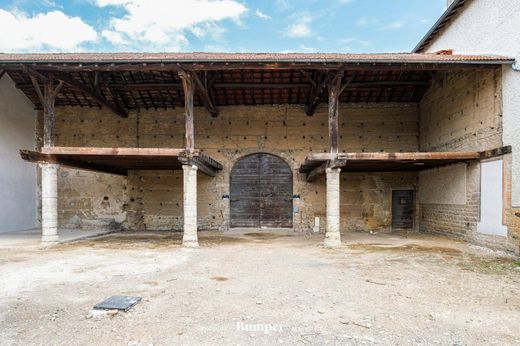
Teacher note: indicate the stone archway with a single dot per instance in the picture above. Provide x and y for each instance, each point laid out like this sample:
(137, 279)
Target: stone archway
(261, 187)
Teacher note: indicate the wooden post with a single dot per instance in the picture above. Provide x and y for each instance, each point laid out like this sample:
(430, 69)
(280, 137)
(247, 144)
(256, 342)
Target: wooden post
(47, 99)
(49, 171)
(334, 92)
(188, 86)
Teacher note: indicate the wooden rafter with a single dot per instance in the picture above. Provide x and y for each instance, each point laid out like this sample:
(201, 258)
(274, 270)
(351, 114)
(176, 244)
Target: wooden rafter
(319, 84)
(205, 94)
(99, 82)
(91, 92)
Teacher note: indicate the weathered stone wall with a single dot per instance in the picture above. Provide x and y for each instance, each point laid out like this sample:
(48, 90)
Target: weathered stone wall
(153, 199)
(460, 112)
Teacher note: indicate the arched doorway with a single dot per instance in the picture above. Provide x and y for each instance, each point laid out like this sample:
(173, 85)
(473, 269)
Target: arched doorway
(261, 188)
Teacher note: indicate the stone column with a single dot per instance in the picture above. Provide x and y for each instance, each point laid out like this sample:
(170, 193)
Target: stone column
(190, 238)
(332, 235)
(49, 203)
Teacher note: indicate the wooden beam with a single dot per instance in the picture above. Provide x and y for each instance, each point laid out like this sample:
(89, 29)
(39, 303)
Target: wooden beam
(334, 92)
(412, 156)
(209, 161)
(311, 85)
(320, 170)
(328, 66)
(262, 85)
(488, 154)
(205, 95)
(119, 160)
(113, 151)
(91, 92)
(188, 86)
(36, 157)
(203, 162)
(99, 83)
(47, 98)
(204, 167)
(318, 88)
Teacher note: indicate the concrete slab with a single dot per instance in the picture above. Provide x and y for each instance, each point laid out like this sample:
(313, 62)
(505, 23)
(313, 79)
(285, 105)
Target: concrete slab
(32, 237)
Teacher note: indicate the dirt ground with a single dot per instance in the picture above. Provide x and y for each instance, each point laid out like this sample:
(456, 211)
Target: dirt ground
(261, 288)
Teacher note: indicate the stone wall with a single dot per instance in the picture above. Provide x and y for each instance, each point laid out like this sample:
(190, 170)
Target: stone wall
(460, 112)
(152, 200)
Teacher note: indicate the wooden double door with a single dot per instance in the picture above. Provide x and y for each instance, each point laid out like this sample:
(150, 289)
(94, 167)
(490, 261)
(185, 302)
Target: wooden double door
(261, 187)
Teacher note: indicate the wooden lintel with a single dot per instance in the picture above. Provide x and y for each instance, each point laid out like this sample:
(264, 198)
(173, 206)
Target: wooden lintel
(205, 95)
(91, 92)
(37, 157)
(488, 154)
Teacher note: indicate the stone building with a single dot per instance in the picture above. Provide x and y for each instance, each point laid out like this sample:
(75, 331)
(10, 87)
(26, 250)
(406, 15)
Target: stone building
(489, 27)
(328, 142)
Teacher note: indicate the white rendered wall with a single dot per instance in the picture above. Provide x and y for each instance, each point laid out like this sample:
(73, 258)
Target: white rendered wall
(491, 197)
(492, 27)
(18, 183)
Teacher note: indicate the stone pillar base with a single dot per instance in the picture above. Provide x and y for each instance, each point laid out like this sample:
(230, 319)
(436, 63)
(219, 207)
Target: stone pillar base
(332, 233)
(49, 239)
(190, 238)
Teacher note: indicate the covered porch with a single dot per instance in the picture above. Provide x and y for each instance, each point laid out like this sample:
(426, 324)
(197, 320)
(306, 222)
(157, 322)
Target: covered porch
(125, 84)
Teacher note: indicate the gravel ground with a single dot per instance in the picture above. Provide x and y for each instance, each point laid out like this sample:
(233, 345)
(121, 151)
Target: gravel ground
(261, 288)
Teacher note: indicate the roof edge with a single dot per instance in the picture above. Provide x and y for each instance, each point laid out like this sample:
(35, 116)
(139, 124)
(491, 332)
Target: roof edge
(450, 10)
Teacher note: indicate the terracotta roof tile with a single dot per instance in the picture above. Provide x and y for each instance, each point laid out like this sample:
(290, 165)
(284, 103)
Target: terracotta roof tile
(248, 57)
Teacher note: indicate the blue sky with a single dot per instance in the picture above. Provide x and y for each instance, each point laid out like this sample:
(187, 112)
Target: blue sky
(216, 25)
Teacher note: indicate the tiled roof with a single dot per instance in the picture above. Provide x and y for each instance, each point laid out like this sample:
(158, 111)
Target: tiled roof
(71, 58)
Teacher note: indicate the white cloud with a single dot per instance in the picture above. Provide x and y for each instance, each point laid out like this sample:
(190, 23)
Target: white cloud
(392, 26)
(366, 21)
(164, 24)
(356, 41)
(262, 15)
(300, 28)
(43, 31)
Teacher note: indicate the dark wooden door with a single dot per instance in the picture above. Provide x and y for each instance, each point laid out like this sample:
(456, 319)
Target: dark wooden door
(402, 208)
(261, 192)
